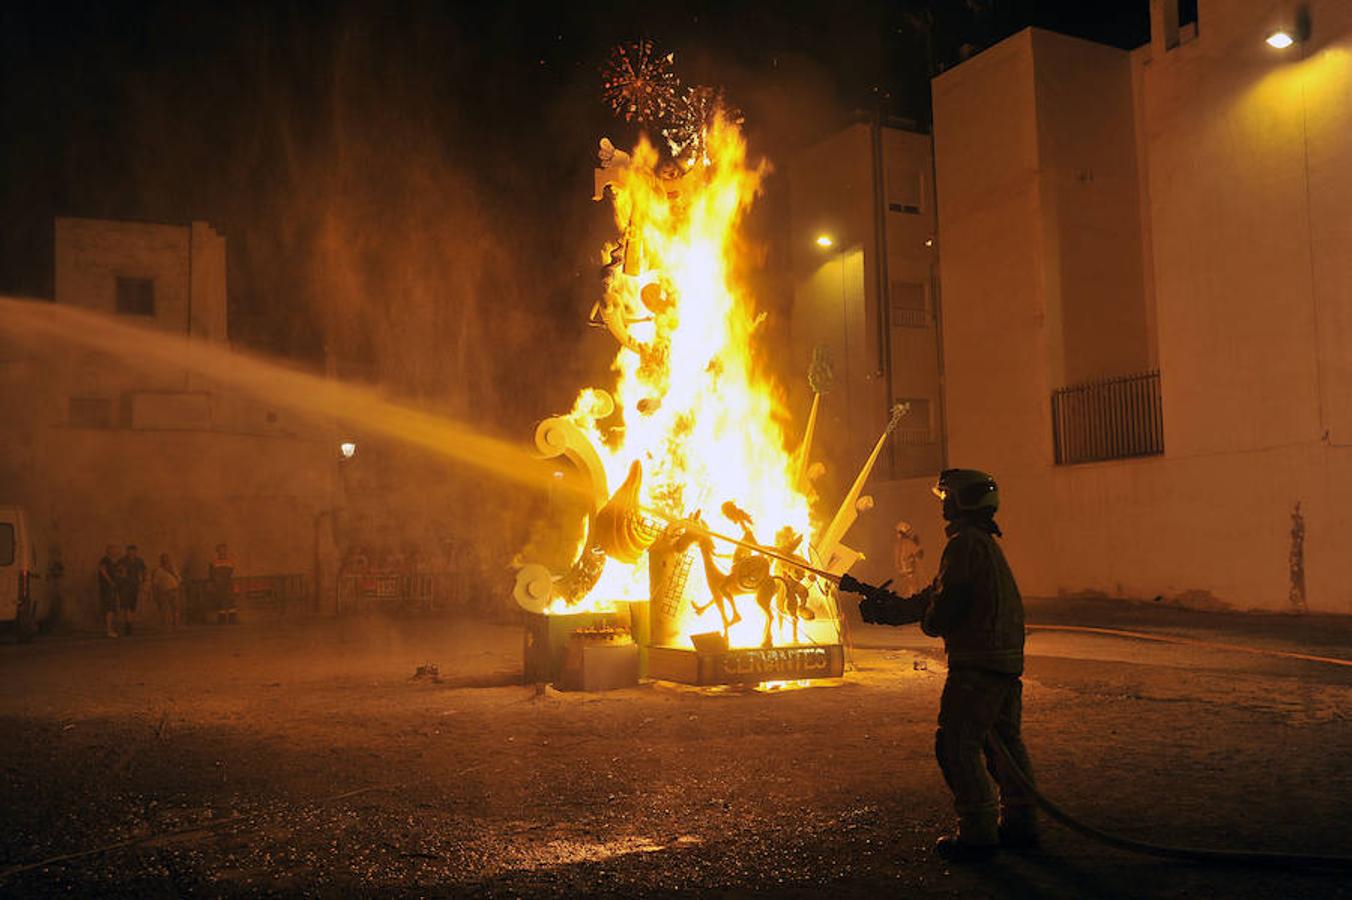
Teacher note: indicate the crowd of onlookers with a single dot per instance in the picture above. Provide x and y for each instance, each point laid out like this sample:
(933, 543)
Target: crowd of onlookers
(124, 578)
(130, 590)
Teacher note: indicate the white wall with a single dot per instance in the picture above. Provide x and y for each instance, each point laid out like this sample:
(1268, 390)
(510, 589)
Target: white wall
(1244, 162)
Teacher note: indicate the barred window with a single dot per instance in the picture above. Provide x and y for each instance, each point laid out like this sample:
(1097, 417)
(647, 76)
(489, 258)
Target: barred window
(1114, 418)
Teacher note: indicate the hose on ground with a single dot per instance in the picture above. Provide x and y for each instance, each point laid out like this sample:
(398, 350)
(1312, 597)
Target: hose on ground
(1258, 858)
(1192, 642)
(1261, 858)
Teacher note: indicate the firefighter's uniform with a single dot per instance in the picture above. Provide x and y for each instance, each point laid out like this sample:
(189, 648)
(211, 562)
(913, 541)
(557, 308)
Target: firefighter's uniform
(975, 606)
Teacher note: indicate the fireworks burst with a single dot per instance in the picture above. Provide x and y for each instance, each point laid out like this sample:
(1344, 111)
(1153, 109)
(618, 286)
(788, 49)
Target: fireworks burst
(691, 117)
(640, 85)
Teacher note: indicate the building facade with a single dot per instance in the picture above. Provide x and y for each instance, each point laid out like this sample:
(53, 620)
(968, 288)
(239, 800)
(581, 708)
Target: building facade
(102, 446)
(866, 302)
(1147, 328)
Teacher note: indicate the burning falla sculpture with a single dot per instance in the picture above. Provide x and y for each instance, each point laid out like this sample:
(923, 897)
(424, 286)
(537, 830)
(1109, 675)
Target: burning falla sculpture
(690, 425)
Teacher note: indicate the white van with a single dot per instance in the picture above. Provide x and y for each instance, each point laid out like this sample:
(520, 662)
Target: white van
(17, 564)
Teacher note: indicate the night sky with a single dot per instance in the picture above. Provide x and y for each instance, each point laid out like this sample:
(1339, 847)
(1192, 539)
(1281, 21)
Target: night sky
(264, 118)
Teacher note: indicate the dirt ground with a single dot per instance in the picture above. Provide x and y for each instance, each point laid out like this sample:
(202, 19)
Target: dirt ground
(301, 758)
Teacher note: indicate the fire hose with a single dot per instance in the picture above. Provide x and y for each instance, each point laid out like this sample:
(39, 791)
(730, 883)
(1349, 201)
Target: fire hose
(1166, 851)
(1193, 854)
(1188, 854)
(1215, 856)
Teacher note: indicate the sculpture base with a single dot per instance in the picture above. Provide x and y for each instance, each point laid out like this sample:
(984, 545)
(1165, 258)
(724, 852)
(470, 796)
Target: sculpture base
(746, 666)
(546, 641)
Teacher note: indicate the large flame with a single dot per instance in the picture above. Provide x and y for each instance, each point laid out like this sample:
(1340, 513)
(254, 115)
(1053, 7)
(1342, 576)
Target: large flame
(690, 405)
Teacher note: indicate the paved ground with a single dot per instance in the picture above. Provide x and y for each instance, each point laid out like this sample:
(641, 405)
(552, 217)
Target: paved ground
(302, 759)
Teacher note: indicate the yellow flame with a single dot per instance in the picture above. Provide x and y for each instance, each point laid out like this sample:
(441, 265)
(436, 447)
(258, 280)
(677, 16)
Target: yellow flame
(697, 414)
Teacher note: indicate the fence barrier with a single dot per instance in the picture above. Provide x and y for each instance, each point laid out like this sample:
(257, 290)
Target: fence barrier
(401, 591)
(285, 594)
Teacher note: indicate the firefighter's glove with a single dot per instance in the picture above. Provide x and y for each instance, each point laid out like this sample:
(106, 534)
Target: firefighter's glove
(851, 585)
(870, 609)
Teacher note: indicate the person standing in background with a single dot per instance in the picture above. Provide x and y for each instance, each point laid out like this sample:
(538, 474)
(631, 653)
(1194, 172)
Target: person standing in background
(221, 573)
(108, 575)
(133, 577)
(167, 587)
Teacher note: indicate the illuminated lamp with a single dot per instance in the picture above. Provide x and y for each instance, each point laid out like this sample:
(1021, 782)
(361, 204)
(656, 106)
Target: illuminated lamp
(1280, 40)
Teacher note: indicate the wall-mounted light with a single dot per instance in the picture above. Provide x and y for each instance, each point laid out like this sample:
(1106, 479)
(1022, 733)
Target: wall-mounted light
(348, 449)
(1280, 39)
(825, 241)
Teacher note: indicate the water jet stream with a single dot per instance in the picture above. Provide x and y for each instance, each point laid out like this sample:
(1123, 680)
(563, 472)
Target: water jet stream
(34, 323)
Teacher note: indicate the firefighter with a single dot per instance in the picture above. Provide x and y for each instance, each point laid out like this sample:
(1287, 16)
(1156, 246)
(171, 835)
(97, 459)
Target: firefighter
(974, 605)
(221, 572)
(906, 556)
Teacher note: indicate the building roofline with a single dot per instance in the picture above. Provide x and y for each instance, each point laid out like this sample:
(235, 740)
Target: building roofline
(1026, 34)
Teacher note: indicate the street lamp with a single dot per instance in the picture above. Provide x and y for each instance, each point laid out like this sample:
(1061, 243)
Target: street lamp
(1280, 39)
(348, 449)
(825, 241)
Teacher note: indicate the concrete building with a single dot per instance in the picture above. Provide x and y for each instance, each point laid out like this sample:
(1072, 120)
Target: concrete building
(173, 276)
(1147, 318)
(866, 297)
(101, 449)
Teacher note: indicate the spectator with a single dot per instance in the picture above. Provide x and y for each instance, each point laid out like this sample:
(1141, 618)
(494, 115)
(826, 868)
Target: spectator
(110, 569)
(167, 587)
(221, 573)
(133, 577)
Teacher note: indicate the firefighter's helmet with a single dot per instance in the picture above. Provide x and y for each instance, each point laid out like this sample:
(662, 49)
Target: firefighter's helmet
(968, 490)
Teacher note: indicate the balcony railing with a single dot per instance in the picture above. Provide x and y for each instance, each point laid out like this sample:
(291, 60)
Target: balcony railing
(1115, 418)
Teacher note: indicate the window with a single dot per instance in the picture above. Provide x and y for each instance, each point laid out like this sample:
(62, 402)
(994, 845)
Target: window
(914, 427)
(91, 412)
(135, 296)
(908, 305)
(903, 189)
(1187, 13)
(1112, 418)
(6, 544)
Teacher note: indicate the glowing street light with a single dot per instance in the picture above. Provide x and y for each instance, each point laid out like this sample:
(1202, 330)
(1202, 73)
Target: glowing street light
(825, 241)
(1280, 40)
(348, 449)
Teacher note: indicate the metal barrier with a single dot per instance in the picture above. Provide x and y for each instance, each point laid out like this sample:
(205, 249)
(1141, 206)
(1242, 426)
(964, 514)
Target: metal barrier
(400, 591)
(1115, 418)
(286, 594)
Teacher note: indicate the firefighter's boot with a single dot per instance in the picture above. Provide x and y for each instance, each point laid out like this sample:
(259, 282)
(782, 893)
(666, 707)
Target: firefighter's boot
(977, 839)
(1018, 828)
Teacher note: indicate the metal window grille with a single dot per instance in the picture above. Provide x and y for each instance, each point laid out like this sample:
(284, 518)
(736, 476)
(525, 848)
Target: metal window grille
(910, 318)
(1115, 418)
